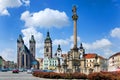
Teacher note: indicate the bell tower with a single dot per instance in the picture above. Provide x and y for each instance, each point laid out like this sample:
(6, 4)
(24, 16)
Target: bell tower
(48, 46)
(20, 43)
(32, 44)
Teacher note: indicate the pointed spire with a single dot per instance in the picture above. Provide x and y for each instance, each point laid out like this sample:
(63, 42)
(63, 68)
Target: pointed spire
(32, 38)
(20, 39)
(81, 47)
(48, 36)
(59, 48)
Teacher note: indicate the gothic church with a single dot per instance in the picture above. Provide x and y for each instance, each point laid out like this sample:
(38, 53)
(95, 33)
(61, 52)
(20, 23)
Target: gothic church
(26, 57)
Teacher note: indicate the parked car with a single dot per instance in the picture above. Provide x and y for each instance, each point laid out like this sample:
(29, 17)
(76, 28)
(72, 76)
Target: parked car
(4, 70)
(47, 70)
(29, 71)
(21, 70)
(15, 71)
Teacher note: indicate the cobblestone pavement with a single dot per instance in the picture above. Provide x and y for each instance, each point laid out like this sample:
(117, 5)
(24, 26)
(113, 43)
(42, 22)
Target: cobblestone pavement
(20, 76)
(23, 76)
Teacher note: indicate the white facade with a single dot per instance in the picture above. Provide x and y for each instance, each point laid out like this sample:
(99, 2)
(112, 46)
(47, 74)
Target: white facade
(114, 62)
(50, 63)
(90, 61)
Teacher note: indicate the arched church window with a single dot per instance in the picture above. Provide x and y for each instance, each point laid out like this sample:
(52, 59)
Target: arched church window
(31, 49)
(22, 60)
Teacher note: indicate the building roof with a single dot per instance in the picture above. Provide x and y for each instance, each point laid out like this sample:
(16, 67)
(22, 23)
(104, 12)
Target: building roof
(20, 39)
(116, 54)
(92, 55)
(89, 55)
(64, 55)
(32, 39)
(59, 48)
(1, 57)
(25, 49)
(35, 62)
(48, 39)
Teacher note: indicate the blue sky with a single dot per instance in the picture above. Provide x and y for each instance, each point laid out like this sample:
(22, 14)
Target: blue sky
(98, 25)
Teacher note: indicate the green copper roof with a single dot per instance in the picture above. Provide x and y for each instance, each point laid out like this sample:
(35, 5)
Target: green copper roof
(25, 49)
(59, 48)
(81, 47)
(48, 36)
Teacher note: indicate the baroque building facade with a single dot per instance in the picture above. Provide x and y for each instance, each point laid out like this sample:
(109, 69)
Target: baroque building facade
(114, 62)
(26, 57)
(51, 61)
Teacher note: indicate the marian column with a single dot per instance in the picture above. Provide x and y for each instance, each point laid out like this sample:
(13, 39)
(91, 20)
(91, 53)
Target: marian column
(75, 17)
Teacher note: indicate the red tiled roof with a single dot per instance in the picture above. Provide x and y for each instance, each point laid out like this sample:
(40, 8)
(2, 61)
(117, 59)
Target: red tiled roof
(118, 53)
(92, 55)
(64, 55)
(89, 55)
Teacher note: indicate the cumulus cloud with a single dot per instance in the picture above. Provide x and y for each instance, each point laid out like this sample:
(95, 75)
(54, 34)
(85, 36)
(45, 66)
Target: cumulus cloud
(37, 35)
(25, 2)
(68, 41)
(8, 54)
(5, 4)
(60, 41)
(115, 32)
(46, 18)
(103, 43)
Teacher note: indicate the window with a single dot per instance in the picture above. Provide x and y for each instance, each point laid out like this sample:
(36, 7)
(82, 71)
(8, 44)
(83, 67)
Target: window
(47, 50)
(90, 60)
(87, 60)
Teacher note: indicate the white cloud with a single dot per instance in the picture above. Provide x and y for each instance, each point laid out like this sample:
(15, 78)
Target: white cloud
(60, 41)
(8, 54)
(46, 18)
(115, 32)
(103, 43)
(68, 41)
(72, 39)
(37, 35)
(5, 4)
(101, 47)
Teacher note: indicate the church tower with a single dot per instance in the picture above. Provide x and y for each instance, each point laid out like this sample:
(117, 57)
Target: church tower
(32, 47)
(59, 52)
(82, 51)
(20, 43)
(48, 46)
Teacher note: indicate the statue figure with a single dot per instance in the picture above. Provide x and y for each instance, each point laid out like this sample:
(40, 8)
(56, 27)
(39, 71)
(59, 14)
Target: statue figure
(74, 10)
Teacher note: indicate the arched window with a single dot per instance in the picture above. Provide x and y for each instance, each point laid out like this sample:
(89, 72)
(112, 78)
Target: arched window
(47, 50)
(31, 49)
(22, 60)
